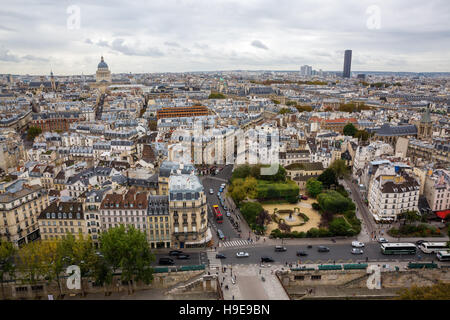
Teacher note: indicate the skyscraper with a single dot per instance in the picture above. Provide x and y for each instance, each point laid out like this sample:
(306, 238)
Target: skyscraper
(306, 70)
(347, 63)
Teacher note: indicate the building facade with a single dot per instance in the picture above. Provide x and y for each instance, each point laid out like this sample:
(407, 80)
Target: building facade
(188, 212)
(20, 206)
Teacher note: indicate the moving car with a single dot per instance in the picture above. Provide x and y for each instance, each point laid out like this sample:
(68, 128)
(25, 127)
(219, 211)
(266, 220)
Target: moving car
(242, 254)
(280, 249)
(357, 251)
(357, 244)
(383, 240)
(175, 252)
(211, 191)
(323, 249)
(166, 261)
(266, 259)
(301, 254)
(220, 256)
(183, 256)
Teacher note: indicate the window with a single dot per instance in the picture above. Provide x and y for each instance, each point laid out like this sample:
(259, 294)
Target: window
(316, 277)
(299, 277)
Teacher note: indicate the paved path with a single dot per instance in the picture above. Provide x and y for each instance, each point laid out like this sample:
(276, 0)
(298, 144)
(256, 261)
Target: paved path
(249, 285)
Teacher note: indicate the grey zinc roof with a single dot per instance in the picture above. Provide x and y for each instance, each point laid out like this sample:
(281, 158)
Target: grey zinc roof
(387, 130)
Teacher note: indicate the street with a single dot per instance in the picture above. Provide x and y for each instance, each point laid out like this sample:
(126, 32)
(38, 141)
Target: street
(339, 253)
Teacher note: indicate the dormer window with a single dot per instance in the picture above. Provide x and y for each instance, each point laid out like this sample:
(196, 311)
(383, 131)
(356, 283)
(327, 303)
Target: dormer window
(78, 215)
(59, 215)
(48, 215)
(53, 215)
(70, 215)
(64, 215)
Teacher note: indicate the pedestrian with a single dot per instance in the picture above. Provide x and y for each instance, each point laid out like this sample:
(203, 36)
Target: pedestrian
(264, 239)
(221, 284)
(233, 297)
(223, 279)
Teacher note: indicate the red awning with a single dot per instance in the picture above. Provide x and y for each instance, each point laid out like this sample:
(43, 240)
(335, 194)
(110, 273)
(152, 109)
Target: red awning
(443, 214)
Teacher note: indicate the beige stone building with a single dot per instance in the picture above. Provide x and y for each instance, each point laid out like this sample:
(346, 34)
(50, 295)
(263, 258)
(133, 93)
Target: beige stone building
(62, 218)
(20, 206)
(188, 212)
(302, 172)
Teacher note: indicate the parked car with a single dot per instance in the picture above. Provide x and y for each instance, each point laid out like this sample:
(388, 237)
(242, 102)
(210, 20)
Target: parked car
(357, 244)
(228, 214)
(242, 254)
(211, 191)
(323, 249)
(166, 261)
(221, 189)
(303, 197)
(357, 251)
(280, 249)
(218, 194)
(225, 207)
(175, 252)
(220, 256)
(301, 254)
(383, 240)
(267, 259)
(183, 256)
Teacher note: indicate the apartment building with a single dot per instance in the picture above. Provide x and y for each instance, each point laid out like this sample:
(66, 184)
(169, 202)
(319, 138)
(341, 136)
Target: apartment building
(159, 223)
(437, 192)
(91, 209)
(62, 218)
(127, 208)
(188, 212)
(391, 194)
(20, 206)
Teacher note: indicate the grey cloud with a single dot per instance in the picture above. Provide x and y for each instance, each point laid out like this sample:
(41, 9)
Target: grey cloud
(259, 44)
(88, 41)
(172, 44)
(6, 56)
(34, 58)
(102, 43)
(119, 45)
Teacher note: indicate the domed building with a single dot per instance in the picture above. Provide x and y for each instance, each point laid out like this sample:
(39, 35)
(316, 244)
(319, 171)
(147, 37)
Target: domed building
(103, 73)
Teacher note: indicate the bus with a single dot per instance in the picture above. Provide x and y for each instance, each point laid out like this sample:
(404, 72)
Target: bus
(398, 248)
(217, 214)
(432, 247)
(443, 255)
(220, 234)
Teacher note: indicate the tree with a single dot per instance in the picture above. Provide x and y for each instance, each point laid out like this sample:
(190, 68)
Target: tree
(80, 252)
(127, 249)
(340, 168)
(216, 96)
(304, 108)
(438, 291)
(33, 132)
(250, 211)
(240, 189)
(339, 227)
(7, 266)
(284, 111)
(333, 202)
(313, 187)
(362, 135)
(328, 178)
(410, 216)
(29, 264)
(153, 125)
(51, 260)
(350, 130)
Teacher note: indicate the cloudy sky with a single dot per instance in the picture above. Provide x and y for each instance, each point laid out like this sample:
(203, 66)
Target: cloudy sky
(203, 35)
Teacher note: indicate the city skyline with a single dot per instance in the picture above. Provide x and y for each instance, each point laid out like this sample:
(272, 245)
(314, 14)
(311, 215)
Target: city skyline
(185, 36)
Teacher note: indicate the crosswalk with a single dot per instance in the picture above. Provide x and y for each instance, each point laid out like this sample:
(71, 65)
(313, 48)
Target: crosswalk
(213, 261)
(235, 243)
